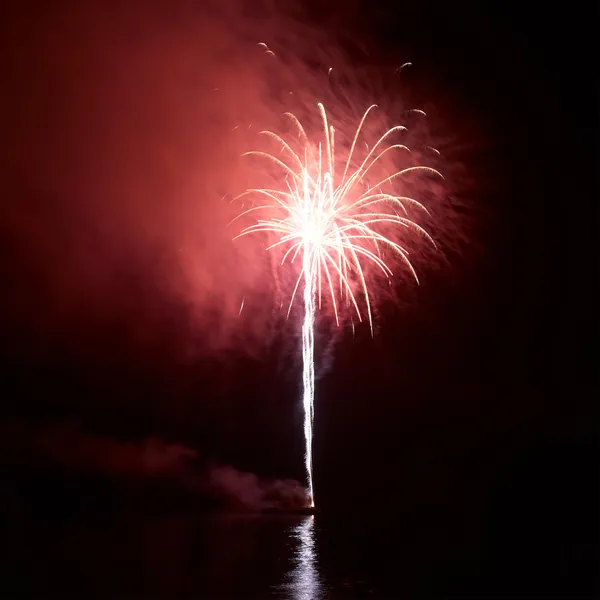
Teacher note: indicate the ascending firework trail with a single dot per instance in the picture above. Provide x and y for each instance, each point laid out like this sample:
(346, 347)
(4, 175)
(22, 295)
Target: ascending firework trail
(334, 225)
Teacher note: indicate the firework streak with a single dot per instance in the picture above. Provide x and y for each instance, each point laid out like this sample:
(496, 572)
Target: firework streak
(333, 226)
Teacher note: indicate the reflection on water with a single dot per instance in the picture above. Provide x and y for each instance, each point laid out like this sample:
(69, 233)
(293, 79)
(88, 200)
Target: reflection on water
(221, 557)
(303, 581)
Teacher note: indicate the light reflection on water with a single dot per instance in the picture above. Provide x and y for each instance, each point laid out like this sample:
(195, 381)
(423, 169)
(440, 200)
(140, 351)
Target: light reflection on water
(223, 557)
(303, 581)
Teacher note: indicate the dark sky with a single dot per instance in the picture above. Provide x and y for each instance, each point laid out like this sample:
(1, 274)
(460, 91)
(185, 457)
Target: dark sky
(113, 315)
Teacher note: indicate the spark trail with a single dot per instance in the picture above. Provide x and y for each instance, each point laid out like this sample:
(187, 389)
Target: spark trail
(338, 224)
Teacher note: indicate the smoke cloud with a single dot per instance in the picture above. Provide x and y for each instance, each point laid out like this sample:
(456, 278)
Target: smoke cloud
(72, 451)
(121, 121)
(126, 125)
(246, 490)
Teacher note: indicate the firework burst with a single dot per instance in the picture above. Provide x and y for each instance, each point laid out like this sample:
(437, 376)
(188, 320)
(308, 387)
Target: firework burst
(333, 224)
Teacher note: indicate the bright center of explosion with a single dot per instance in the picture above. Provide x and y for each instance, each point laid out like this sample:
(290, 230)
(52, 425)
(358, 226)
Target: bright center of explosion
(312, 234)
(338, 225)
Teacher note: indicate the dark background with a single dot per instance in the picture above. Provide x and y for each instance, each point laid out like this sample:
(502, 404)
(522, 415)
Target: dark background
(473, 412)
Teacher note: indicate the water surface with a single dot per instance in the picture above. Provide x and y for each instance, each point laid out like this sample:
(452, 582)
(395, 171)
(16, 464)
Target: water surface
(176, 557)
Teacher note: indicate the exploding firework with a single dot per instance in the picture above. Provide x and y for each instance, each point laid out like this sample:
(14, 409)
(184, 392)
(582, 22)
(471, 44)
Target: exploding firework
(333, 224)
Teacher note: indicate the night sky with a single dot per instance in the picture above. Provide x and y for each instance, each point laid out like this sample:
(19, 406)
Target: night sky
(475, 392)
